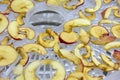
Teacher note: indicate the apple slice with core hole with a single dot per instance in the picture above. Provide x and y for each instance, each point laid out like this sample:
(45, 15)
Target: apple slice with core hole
(35, 48)
(8, 55)
(76, 23)
(13, 30)
(21, 6)
(116, 55)
(116, 30)
(98, 31)
(3, 22)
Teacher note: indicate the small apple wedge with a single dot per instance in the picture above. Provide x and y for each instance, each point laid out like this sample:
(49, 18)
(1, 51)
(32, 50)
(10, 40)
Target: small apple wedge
(48, 39)
(13, 30)
(68, 38)
(76, 23)
(30, 71)
(96, 8)
(60, 70)
(8, 55)
(98, 31)
(116, 55)
(84, 36)
(106, 13)
(116, 30)
(21, 6)
(3, 22)
(19, 19)
(29, 32)
(35, 48)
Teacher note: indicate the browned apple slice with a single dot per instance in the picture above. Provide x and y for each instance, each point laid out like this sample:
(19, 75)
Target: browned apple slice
(29, 32)
(106, 13)
(3, 22)
(76, 23)
(21, 6)
(8, 55)
(72, 7)
(19, 19)
(35, 48)
(14, 31)
(68, 38)
(116, 30)
(107, 1)
(84, 36)
(48, 39)
(116, 55)
(96, 8)
(98, 31)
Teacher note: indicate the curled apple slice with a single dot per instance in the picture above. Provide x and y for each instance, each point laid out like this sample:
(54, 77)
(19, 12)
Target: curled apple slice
(29, 32)
(34, 48)
(5, 41)
(84, 36)
(96, 8)
(98, 31)
(75, 6)
(116, 13)
(107, 1)
(24, 56)
(19, 19)
(45, 38)
(105, 67)
(116, 55)
(60, 70)
(21, 6)
(116, 30)
(8, 55)
(76, 23)
(3, 22)
(105, 21)
(91, 17)
(30, 71)
(14, 31)
(68, 38)
(115, 44)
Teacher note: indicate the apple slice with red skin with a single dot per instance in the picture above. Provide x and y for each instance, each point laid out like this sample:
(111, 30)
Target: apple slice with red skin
(106, 13)
(68, 38)
(116, 55)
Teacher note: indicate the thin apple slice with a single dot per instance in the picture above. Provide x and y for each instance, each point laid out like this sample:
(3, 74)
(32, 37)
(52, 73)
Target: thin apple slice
(84, 36)
(116, 55)
(116, 13)
(116, 30)
(106, 13)
(68, 38)
(105, 67)
(35, 48)
(76, 23)
(106, 21)
(96, 8)
(21, 6)
(111, 45)
(3, 22)
(8, 55)
(30, 71)
(5, 41)
(72, 7)
(104, 40)
(45, 38)
(24, 57)
(29, 32)
(91, 17)
(107, 1)
(53, 2)
(60, 70)
(19, 19)
(98, 31)
(14, 31)
(18, 69)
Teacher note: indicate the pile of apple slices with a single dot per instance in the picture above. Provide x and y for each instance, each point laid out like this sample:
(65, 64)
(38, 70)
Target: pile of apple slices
(95, 35)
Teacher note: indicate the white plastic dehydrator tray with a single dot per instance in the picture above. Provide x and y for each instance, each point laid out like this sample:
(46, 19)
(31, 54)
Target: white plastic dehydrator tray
(59, 15)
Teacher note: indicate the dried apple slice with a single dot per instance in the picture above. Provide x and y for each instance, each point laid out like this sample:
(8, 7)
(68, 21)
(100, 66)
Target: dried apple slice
(19, 19)
(29, 32)
(8, 55)
(68, 38)
(24, 57)
(106, 13)
(116, 30)
(107, 1)
(115, 44)
(105, 67)
(96, 8)
(76, 23)
(30, 71)
(54, 2)
(21, 6)
(91, 17)
(118, 1)
(116, 55)
(3, 22)
(98, 31)
(72, 7)
(60, 70)
(5, 41)
(84, 36)
(45, 38)
(14, 31)
(34, 48)
(105, 21)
